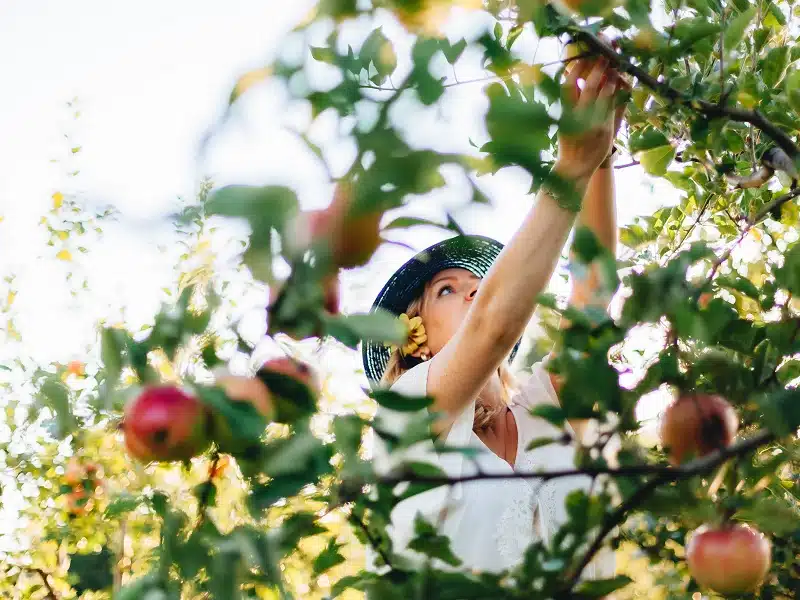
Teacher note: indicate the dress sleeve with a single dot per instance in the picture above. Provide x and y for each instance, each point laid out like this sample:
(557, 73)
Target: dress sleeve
(414, 382)
(431, 503)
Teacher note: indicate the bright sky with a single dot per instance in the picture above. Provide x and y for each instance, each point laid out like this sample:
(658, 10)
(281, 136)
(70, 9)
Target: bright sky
(150, 77)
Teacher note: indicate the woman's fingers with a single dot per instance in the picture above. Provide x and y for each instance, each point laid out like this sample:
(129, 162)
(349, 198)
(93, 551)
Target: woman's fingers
(605, 98)
(571, 89)
(597, 77)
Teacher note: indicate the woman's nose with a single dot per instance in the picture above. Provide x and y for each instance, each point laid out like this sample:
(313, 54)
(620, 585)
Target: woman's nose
(472, 292)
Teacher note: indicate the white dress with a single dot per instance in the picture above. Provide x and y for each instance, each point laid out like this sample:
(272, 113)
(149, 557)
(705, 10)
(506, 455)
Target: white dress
(490, 523)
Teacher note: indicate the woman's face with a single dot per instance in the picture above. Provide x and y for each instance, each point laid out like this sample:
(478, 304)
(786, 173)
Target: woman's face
(446, 300)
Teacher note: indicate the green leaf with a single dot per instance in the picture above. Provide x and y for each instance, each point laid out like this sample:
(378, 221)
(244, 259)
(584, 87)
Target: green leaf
(541, 442)
(740, 284)
(781, 411)
(656, 160)
(328, 558)
(517, 128)
(122, 504)
(452, 52)
(399, 402)
(598, 588)
(551, 413)
(378, 326)
(378, 51)
(429, 88)
(646, 139)
(265, 208)
(585, 245)
(192, 555)
(112, 343)
(771, 516)
(55, 395)
(405, 222)
(263, 496)
(774, 65)
(430, 543)
(735, 28)
(296, 527)
(691, 31)
(241, 418)
(160, 504)
(206, 493)
(293, 400)
(326, 55)
(92, 571)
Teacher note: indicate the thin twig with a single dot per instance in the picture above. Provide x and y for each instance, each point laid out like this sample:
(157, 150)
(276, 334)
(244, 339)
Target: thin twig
(684, 471)
(629, 471)
(372, 541)
(449, 84)
(692, 226)
(626, 165)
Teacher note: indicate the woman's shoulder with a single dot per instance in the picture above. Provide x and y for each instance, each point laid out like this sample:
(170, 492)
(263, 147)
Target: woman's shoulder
(413, 382)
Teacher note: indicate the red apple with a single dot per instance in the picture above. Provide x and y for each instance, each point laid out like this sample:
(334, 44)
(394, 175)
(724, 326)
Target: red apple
(352, 237)
(733, 559)
(164, 423)
(697, 424)
(355, 234)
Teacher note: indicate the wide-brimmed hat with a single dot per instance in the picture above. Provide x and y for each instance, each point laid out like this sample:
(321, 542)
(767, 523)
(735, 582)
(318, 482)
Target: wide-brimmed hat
(474, 253)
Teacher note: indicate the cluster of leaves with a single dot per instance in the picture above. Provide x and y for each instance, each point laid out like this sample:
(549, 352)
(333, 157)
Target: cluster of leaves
(724, 308)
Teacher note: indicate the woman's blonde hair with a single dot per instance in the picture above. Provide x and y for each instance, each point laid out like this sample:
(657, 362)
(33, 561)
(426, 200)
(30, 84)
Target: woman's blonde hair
(485, 413)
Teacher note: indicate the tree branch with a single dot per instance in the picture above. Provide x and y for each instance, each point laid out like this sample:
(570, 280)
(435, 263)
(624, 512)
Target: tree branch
(701, 465)
(709, 109)
(372, 541)
(631, 471)
(695, 467)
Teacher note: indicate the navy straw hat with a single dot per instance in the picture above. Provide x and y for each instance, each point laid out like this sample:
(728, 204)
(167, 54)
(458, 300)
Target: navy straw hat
(472, 252)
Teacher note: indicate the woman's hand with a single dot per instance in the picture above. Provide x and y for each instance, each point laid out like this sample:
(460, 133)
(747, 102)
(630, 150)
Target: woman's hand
(580, 154)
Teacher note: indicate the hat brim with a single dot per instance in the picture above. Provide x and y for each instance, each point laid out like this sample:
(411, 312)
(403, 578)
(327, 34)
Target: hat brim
(471, 252)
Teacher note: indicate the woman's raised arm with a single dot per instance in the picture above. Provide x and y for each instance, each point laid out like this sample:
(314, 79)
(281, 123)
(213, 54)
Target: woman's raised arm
(506, 297)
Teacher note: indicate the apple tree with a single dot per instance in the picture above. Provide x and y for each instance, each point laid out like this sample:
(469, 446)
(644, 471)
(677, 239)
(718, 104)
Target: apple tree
(711, 507)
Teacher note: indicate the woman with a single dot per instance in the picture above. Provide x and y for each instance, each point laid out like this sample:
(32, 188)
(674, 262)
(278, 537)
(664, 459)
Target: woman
(468, 303)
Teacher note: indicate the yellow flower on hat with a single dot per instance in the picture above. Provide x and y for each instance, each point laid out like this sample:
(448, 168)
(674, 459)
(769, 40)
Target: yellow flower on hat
(416, 335)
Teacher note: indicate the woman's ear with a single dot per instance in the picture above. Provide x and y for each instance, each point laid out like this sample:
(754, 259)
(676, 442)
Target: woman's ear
(423, 353)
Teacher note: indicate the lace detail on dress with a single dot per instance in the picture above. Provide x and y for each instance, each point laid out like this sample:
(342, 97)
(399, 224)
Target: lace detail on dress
(516, 528)
(547, 503)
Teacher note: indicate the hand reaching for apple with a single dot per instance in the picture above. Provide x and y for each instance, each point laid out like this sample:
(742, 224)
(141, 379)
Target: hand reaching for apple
(581, 153)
